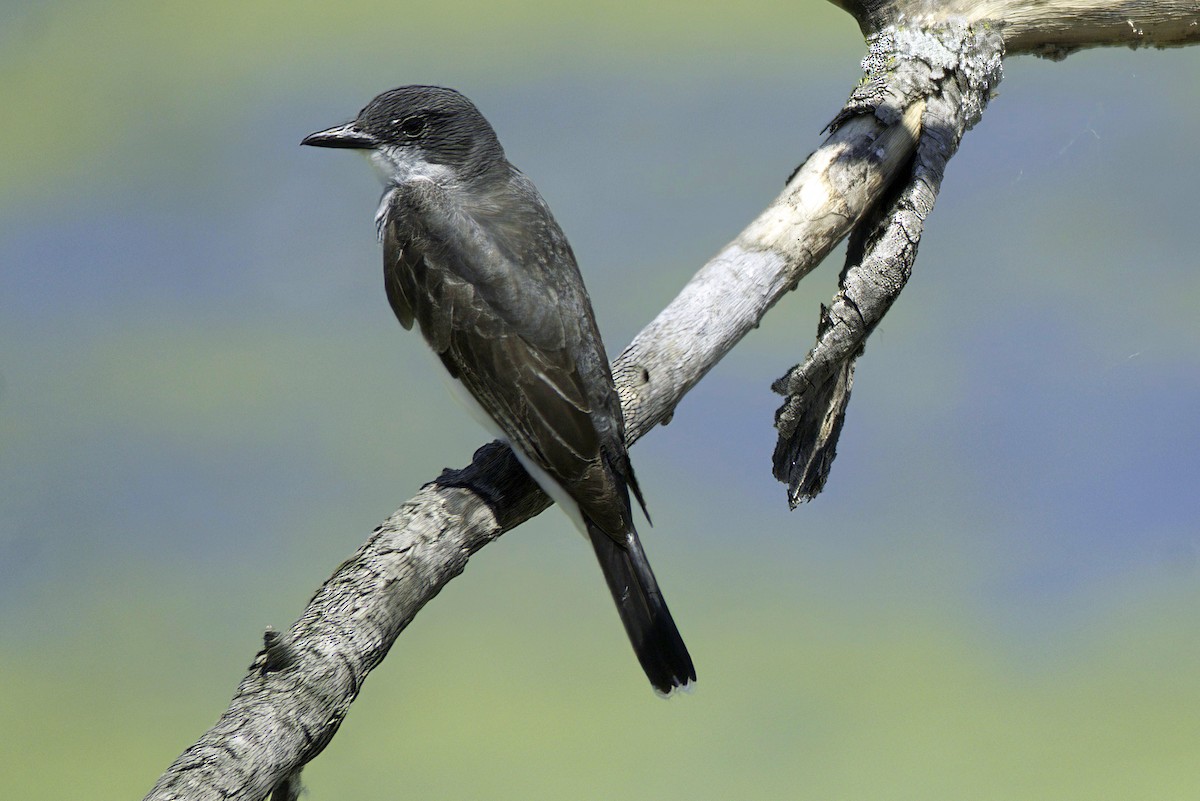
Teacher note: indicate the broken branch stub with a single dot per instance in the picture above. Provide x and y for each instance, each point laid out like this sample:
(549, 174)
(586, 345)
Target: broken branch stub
(948, 73)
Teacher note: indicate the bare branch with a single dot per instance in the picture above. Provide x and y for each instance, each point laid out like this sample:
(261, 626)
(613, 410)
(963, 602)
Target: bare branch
(948, 72)
(728, 297)
(301, 685)
(1052, 28)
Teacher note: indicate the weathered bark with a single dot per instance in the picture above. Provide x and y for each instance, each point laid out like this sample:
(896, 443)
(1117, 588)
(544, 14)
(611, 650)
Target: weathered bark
(1053, 28)
(948, 73)
(300, 686)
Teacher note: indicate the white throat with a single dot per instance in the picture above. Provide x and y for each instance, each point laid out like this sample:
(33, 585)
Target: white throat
(399, 165)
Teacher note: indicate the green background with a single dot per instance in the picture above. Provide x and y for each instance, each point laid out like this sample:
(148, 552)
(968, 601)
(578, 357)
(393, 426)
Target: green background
(205, 405)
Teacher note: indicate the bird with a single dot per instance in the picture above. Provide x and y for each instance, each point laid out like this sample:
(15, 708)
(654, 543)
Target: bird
(474, 257)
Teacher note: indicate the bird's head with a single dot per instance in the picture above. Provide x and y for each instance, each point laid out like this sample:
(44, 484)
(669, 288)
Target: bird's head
(419, 131)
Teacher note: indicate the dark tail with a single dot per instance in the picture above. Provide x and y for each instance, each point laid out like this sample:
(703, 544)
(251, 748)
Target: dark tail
(647, 620)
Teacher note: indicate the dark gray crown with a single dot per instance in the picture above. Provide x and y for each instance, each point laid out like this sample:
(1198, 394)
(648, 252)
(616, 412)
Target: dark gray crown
(441, 122)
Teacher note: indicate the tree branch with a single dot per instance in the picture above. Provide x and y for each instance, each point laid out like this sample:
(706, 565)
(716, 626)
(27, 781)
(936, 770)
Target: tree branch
(948, 72)
(1053, 28)
(301, 685)
(947, 53)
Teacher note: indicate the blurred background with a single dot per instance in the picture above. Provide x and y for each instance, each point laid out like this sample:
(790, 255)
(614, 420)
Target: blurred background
(206, 404)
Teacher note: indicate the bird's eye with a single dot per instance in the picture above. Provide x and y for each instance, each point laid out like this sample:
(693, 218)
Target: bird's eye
(412, 127)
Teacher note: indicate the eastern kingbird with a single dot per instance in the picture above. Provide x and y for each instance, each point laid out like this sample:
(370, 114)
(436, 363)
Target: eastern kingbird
(472, 254)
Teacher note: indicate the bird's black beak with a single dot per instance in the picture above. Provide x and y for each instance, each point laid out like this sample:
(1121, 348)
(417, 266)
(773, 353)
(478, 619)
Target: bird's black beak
(348, 135)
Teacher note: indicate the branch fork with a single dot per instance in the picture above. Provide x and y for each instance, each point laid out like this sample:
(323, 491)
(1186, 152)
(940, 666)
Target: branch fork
(930, 71)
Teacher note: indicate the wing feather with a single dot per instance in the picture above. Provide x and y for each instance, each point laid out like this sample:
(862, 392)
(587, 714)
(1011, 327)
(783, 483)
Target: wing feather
(532, 361)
